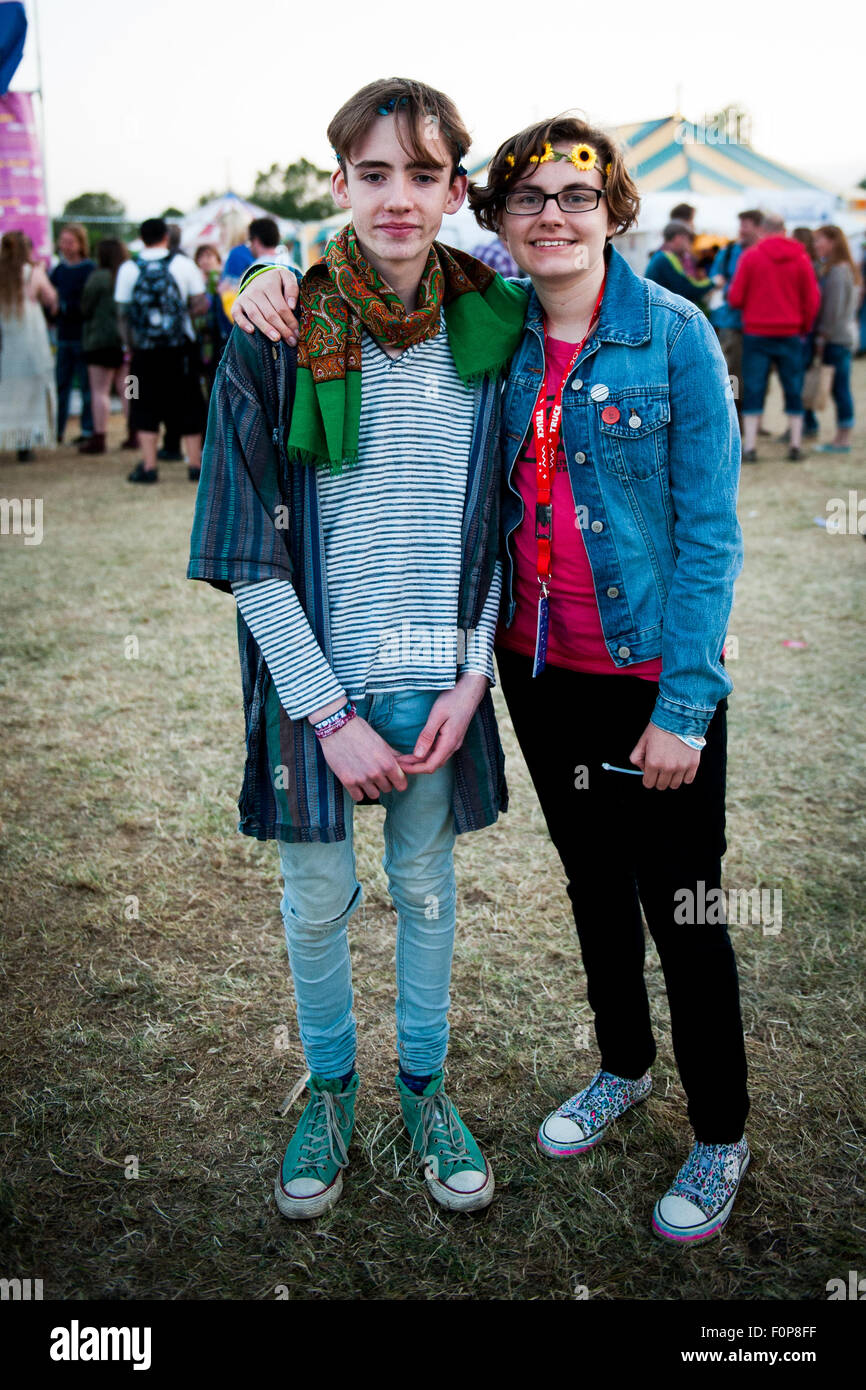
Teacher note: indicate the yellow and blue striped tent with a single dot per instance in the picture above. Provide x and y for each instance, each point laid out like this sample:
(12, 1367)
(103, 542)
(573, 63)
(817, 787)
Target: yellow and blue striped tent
(673, 155)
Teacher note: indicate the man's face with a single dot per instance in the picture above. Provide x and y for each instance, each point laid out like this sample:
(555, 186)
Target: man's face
(397, 204)
(68, 245)
(681, 245)
(207, 261)
(749, 232)
(551, 244)
(258, 248)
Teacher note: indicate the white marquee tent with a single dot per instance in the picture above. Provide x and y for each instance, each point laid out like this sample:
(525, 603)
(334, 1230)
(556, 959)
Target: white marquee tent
(223, 222)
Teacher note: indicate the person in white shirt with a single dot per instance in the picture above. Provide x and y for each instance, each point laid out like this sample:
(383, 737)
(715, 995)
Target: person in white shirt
(156, 297)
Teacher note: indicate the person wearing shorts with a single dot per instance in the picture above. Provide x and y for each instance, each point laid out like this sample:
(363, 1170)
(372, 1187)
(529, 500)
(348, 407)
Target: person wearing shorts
(166, 382)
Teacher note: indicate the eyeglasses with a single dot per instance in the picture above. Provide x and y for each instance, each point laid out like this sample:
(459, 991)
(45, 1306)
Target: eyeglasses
(528, 201)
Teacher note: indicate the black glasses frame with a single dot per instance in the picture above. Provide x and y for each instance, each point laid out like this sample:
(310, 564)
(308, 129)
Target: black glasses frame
(570, 212)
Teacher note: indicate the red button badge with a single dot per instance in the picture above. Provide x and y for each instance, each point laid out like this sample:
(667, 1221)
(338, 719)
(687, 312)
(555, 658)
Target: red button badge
(610, 415)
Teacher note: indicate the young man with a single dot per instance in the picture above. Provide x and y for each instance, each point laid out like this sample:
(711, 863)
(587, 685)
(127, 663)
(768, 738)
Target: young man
(155, 298)
(262, 246)
(727, 321)
(775, 288)
(668, 266)
(353, 511)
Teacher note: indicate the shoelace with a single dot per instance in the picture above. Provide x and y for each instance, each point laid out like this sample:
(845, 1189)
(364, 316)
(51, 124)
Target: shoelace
(579, 1107)
(438, 1117)
(325, 1139)
(704, 1159)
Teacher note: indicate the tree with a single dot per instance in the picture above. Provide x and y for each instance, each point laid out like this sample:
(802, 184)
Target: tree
(102, 214)
(96, 206)
(300, 191)
(172, 214)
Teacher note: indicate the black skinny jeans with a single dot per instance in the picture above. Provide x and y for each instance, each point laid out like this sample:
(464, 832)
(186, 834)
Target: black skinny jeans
(624, 846)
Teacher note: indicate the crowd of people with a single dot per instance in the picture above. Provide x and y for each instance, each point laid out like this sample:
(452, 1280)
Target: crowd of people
(149, 329)
(779, 302)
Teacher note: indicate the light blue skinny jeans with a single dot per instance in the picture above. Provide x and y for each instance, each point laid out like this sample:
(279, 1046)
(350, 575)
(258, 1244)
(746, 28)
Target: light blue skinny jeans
(322, 892)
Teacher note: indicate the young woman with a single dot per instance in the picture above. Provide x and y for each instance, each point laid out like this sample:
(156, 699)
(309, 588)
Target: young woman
(213, 328)
(621, 545)
(100, 339)
(69, 276)
(835, 334)
(28, 402)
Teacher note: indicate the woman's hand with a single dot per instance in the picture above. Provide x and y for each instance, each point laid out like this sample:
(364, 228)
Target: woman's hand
(664, 759)
(267, 304)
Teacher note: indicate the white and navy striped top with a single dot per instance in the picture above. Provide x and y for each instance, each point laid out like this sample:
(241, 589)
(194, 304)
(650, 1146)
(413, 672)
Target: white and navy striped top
(392, 533)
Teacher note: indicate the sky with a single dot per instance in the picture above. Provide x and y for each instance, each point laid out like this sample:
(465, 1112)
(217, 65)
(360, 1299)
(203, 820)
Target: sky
(160, 101)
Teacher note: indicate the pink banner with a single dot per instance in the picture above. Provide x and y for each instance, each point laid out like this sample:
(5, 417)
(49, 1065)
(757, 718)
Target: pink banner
(23, 207)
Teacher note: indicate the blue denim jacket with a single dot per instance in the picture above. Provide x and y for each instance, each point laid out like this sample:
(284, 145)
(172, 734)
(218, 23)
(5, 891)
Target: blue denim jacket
(655, 491)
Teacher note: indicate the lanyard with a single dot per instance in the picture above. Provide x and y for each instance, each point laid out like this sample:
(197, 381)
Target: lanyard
(547, 431)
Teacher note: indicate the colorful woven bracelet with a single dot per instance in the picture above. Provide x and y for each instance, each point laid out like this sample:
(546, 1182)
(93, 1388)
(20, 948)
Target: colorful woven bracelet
(335, 721)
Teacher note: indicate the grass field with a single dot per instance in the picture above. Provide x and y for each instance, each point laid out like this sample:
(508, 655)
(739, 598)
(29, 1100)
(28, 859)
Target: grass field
(148, 1012)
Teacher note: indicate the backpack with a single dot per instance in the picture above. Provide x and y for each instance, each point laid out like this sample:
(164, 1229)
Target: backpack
(157, 309)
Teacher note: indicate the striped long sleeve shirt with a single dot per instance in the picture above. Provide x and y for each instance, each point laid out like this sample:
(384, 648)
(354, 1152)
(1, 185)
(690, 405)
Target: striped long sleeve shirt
(392, 588)
(289, 792)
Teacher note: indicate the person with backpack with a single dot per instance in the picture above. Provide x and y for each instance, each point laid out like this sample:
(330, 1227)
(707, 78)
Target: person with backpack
(155, 297)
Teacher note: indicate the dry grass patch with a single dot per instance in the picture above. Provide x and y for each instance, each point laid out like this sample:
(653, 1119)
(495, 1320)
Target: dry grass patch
(170, 1036)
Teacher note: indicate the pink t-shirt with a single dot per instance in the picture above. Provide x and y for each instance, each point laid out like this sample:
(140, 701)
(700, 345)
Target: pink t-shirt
(575, 636)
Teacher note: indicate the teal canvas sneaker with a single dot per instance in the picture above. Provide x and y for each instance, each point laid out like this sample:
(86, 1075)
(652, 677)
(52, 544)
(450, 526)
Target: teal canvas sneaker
(311, 1177)
(457, 1173)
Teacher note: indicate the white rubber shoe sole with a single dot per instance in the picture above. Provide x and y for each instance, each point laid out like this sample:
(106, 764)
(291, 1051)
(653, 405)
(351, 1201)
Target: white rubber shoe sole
(453, 1200)
(305, 1208)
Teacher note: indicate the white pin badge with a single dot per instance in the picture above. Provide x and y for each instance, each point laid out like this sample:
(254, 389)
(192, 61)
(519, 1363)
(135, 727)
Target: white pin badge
(634, 421)
(599, 392)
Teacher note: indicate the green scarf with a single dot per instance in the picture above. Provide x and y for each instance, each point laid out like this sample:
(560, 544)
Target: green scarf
(342, 294)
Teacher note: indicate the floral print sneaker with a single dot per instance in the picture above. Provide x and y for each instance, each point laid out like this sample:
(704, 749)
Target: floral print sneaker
(700, 1199)
(582, 1122)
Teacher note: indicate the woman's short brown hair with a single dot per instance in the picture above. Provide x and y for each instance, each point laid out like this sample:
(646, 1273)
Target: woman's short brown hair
(424, 107)
(487, 201)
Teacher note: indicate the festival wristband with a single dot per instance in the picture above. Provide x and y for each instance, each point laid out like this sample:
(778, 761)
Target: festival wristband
(691, 741)
(325, 727)
(253, 272)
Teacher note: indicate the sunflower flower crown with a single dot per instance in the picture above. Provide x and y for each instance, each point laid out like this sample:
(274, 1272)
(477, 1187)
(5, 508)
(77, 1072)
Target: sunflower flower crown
(581, 156)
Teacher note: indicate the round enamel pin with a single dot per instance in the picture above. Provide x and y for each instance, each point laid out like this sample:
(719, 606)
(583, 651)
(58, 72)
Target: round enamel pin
(599, 392)
(610, 415)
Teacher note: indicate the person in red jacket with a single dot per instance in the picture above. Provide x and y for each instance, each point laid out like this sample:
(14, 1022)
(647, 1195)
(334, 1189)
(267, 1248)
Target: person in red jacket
(776, 289)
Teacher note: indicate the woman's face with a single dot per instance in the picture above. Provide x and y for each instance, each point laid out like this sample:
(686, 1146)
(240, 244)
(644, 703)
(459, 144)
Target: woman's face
(68, 246)
(822, 245)
(552, 245)
(208, 261)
